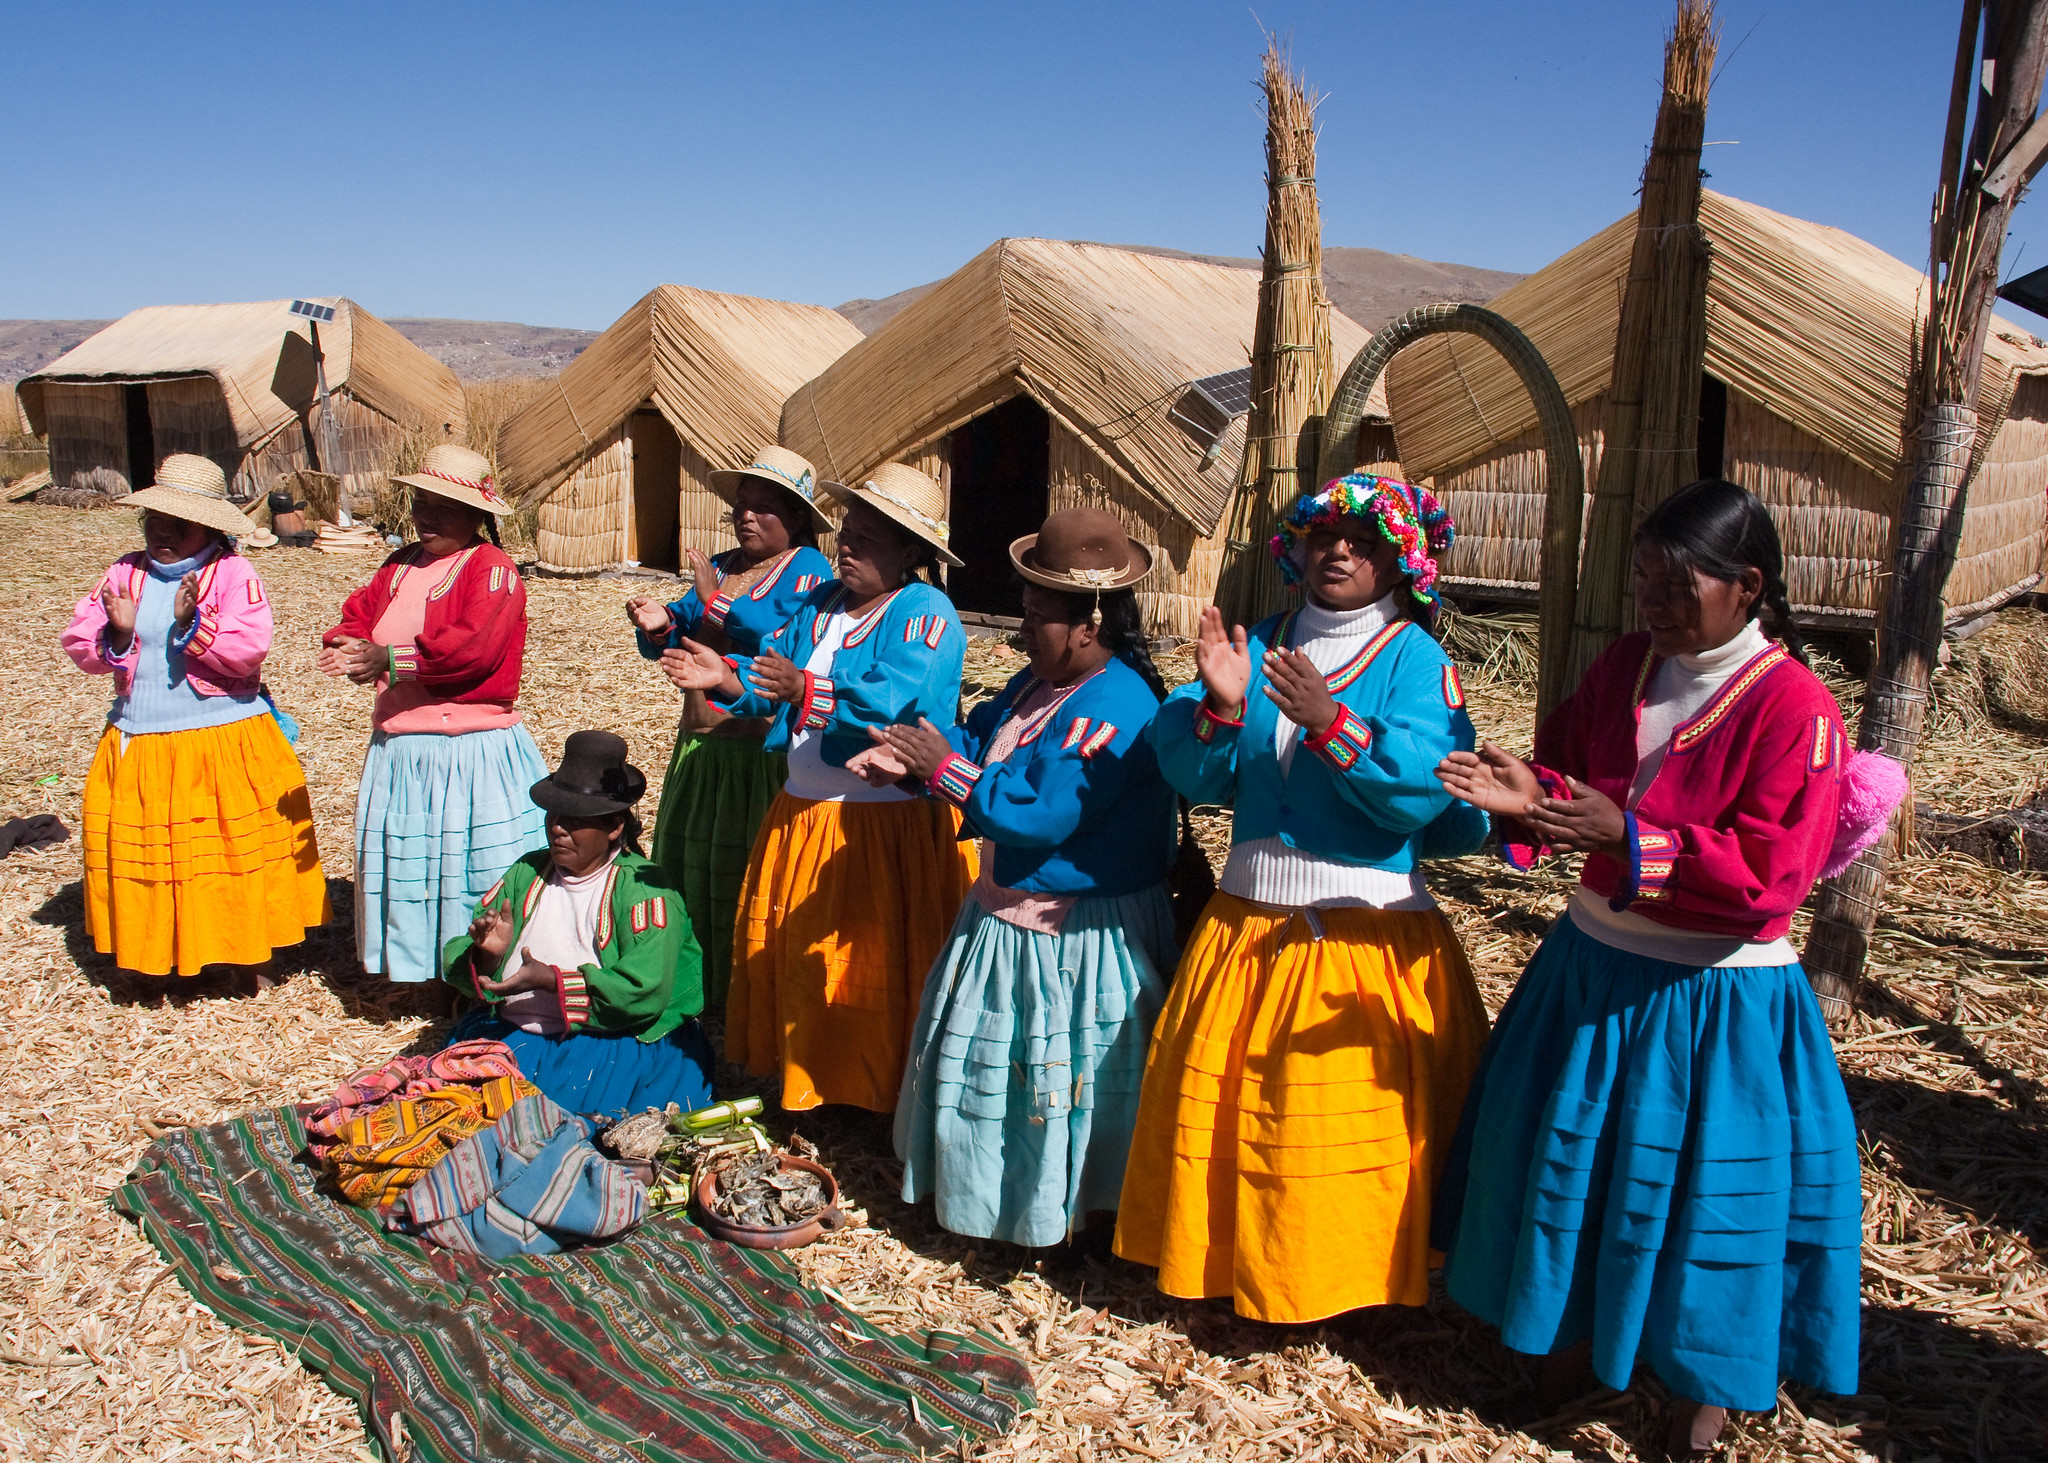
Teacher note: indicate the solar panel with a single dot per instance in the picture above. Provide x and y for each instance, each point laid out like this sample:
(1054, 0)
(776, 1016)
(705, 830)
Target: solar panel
(1231, 392)
(322, 313)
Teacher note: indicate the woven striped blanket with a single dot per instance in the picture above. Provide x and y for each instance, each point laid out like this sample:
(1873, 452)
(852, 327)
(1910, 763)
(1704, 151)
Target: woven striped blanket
(667, 1345)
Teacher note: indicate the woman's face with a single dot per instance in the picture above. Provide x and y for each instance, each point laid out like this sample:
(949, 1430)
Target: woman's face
(1062, 647)
(1349, 564)
(579, 845)
(444, 525)
(874, 554)
(761, 519)
(170, 539)
(1690, 613)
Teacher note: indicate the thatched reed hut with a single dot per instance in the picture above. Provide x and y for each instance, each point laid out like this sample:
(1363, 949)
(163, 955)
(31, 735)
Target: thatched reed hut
(1810, 342)
(237, 383)
(1044, 375)
(618, 449)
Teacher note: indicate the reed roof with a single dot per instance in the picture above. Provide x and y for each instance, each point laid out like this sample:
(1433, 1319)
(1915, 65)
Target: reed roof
(261, 354)
(1812, 323)
(1105, 339)
(717, 366)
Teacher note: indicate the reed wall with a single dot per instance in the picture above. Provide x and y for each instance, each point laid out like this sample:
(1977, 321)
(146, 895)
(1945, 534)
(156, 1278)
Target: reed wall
(1497, 501)
(582, 523)
(191, 415)
(87, 429)
(702, 512)
(367, 438)
(2003, 529)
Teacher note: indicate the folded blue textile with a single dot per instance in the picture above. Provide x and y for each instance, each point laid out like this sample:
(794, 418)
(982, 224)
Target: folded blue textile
(531, 1184)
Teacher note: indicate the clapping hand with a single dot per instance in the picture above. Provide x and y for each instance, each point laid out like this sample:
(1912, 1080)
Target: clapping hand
(694, 667)
(530, 976)
(120, 617)
(186, 605)
(706, 576)
(776, 677)
(1295, 686)
(649, 615)
(920, 749)
(362, 661)
(877, 766)
(1223, 661)
(1587, 821)
(1501, 783)
(491, 933)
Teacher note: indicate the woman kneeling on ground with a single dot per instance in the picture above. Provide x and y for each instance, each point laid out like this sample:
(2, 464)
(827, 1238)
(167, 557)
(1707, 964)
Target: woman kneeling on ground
(198, 828)
(582, 954)
(1306, 1076)
(1657, 1161)
(1059, 960)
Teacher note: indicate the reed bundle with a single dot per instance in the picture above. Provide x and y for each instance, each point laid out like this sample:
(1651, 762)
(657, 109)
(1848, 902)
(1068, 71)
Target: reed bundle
(1293, 371)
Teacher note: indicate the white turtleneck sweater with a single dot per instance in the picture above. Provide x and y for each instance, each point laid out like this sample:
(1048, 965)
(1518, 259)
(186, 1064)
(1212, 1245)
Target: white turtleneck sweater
(1268, 871)
(1681, 689)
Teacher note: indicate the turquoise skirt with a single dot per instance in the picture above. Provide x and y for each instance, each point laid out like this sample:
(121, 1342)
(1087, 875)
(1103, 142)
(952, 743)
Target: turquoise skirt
(1661, 1160)
(438, 820)
(600, 1075)
(1021, 1092)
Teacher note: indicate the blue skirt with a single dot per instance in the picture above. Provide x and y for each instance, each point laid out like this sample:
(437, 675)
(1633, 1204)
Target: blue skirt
(438, 820)
(1026, 1063)
(603, 1076)
(1662, 1160)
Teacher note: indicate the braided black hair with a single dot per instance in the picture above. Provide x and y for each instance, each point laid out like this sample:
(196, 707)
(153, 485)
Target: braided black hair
(1122, 630)
(1720, 529)
(629, 835)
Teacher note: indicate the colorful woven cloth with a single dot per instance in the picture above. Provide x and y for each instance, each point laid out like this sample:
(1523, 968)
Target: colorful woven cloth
(530, 1184)
(385, 1127)
(663, 1347)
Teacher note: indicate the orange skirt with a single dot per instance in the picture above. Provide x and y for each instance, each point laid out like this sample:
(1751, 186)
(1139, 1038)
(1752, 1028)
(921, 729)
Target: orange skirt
(845, 907)
(199, 848)
(1299, 1098)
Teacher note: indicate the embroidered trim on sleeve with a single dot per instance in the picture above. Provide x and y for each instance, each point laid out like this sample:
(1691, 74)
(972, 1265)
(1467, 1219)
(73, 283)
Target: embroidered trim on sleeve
(1101, 737)
(1651, 855)
(1454, 690)
(205, 629)
(1075, 733)
(1344, 743)
(405, 662)
(1827, 745)
(639, 918)
(719, 608)
(1207, 721)
(820, 701)
(255, 591)
(954, 779)
(657, 911)
(574, 993)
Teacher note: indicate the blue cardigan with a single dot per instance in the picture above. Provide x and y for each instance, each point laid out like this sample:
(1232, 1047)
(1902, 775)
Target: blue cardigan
(1079, 807)
(901, 662)
(1363, 793)
(757, 613)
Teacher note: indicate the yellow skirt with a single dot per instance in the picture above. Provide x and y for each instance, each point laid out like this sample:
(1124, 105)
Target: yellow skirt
(199, 848)
(1299, 1098)
(845, 907)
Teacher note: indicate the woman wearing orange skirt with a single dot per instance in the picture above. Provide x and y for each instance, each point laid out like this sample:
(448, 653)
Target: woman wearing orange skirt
(198, 828)
(1308, 1070)
(854, 881)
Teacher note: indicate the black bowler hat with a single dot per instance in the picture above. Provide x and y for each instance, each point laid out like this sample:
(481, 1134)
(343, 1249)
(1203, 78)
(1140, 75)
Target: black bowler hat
(593, 780)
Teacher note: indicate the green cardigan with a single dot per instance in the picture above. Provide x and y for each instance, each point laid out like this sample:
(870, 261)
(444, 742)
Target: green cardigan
(649, 977)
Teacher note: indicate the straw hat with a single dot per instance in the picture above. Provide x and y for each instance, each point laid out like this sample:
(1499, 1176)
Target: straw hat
(781, 468)
(905, 497)
(460, 474)
(262, 538)
(1081, 549)
(196, 490)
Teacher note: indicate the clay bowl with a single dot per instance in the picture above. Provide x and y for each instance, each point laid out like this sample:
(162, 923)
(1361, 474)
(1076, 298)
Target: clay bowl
(783, 1237)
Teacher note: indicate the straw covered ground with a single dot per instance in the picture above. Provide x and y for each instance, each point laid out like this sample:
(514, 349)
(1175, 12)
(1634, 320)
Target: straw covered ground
(101, 1357)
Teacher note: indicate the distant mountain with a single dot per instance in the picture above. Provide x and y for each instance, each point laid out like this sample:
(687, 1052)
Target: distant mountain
(1370, 285)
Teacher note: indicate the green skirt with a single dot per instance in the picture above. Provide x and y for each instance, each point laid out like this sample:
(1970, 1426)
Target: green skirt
(712, 801)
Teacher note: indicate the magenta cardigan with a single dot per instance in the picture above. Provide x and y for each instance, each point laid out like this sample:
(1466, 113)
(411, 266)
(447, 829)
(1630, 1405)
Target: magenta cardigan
(1740, 819)
(230, 635)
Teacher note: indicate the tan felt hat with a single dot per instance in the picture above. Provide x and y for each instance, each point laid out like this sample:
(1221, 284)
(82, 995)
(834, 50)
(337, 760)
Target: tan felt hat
(195, 489)
(1081, 549)
(781, 468)
(262, 538)
(908, 498)
(460, 474)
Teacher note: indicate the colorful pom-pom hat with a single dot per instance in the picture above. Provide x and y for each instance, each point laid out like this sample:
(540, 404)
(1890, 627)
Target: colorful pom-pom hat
(1410, 517)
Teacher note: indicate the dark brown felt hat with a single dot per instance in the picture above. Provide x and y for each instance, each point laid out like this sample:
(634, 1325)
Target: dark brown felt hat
(1079, 550)
(593, 780)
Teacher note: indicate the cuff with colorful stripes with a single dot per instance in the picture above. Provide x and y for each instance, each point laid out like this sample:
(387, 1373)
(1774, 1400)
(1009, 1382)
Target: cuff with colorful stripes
(405, 662)
(954, 779)
(1346, 740)
(574, 993)
(718, 609)
(1207, 721)
(1646, 872)
(820, 701)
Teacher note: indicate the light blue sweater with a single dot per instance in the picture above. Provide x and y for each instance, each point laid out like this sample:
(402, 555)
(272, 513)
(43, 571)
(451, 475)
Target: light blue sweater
(160, 699)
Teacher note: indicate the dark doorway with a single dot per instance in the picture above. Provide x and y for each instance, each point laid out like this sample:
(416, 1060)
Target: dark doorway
(653, 536)
(1000, 462)
(1713, 426)
(141, 437)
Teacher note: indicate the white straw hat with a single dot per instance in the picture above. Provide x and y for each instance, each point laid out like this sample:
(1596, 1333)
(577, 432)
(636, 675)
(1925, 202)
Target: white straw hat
(460, 474)
(781, 468)
(905, 497)
(195, 489)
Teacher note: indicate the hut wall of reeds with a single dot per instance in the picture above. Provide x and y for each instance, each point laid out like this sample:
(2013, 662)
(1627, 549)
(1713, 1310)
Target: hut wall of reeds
(238, 383)
(1810, 339)
(1044, 374)
(618, 449)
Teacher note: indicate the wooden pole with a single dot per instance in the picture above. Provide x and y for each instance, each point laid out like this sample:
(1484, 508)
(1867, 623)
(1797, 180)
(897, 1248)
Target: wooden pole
(1660, 346)
(1292, 367)
(1973, 203)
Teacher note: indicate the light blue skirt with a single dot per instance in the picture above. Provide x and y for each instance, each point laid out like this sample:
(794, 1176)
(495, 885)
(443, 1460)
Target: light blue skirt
(1026, 1063)
(438, 819)
(1662, 1160)
(601, 1075)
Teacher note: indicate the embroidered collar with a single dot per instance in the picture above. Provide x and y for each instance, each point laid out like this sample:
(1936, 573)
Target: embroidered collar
(861, 628)
(1686, 737)
(1347, 674)
(1036, 723)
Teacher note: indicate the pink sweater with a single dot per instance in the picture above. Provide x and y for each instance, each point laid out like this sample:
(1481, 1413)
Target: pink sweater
(230, 638)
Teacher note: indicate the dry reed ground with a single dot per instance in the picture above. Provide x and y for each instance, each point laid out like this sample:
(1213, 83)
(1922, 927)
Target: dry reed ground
(100, 1357)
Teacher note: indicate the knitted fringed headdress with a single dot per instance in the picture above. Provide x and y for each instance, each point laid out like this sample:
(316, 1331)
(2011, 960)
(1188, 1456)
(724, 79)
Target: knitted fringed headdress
(1410, 517)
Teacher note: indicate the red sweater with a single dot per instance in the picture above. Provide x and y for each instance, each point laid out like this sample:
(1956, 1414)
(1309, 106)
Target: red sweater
(1735, 827)
(474, 642)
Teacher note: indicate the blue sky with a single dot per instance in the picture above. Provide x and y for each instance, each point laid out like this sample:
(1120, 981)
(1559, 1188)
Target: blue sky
(550, 163)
